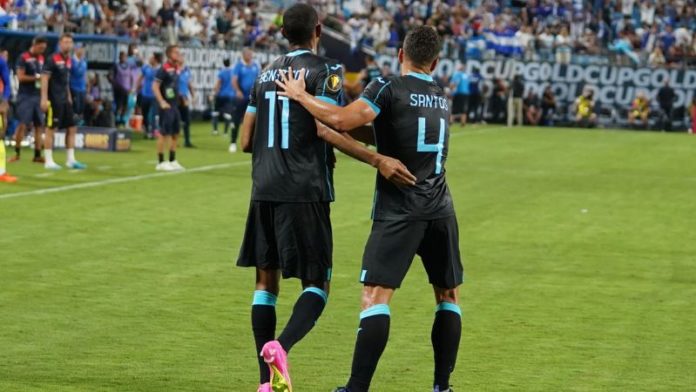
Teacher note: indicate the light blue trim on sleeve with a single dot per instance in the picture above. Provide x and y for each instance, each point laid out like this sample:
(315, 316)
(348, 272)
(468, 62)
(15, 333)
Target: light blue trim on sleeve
(448, 306)
(372, 105)
(318, 292)
(262, 297)
(375, 310)
(327, 100)
(362, 276)
(251, 109)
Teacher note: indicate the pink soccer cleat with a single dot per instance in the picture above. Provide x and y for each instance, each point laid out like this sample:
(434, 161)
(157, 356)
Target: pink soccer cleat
(277, 359)
(265, 387)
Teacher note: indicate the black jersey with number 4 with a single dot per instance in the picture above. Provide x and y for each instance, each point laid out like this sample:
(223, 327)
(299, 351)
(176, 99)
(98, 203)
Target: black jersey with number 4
(290, 162)
(412, 125)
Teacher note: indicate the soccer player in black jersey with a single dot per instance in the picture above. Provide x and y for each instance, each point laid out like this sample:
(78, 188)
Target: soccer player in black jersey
(410, 115)
(28, 109)
(166, 91)
(56, 101)
(288, 230)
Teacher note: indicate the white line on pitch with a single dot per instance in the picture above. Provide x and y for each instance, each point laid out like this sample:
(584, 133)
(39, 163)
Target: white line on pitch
(43, 174)
(120, 180)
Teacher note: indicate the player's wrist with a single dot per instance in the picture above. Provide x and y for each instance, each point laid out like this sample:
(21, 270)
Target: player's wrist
(376, 160)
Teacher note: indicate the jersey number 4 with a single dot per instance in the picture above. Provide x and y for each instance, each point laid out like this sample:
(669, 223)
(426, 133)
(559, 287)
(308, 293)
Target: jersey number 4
(425, 147)
(284, 123)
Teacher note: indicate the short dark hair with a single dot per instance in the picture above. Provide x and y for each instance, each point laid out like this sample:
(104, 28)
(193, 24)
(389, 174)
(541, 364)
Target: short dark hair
(39, 39)
(422, 45)
(169, 49)
(299, 22)
(158, 57)
(226, 62)
(65, 35)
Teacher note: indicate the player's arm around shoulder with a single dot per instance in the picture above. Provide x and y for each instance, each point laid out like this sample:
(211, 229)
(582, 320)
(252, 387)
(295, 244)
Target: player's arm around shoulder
(249, 122)
(248, 126)
(323, 106)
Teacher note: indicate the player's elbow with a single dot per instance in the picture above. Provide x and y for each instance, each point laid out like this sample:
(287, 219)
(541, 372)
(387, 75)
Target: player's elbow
(341, 123)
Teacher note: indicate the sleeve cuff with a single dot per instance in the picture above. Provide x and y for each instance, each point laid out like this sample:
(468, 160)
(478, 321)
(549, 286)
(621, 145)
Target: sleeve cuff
(374, 107)
(327, 99)
(251, 109)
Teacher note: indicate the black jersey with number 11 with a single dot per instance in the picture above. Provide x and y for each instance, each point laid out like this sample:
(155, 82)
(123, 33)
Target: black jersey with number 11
(412, 125)
(290, 162)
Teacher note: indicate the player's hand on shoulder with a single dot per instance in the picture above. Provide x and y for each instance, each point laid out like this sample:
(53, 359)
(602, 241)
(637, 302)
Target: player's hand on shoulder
(294, 87)
(164, 105)
(395, 171)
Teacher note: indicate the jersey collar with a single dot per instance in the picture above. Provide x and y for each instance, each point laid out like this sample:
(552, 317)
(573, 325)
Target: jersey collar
(297, 52)
(421, 76)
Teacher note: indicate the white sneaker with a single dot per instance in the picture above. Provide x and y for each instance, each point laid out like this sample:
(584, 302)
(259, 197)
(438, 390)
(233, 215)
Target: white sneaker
(176, 166)
(52, 166)
(163, 166)
(233, 147)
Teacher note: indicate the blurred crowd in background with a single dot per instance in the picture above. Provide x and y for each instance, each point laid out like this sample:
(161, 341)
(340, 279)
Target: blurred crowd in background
(631, 32)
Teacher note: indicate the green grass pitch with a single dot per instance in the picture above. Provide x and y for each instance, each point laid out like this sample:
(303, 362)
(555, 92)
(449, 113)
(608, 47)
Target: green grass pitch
(580, 259)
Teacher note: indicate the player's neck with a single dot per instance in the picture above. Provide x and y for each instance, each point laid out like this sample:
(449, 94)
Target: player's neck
(405, 70)
(407, 67)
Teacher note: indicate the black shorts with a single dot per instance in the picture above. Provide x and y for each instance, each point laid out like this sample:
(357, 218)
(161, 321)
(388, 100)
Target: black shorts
(170, 121)
(240, 108)
(460, 104)
(295, 238)
(121, 97)
(28, 110)
(60, 115)
(393, 245)
(224, 105)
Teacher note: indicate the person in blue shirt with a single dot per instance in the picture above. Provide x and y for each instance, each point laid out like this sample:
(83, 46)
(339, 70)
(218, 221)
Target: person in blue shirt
(186, 96)
(244, 75)
(459, 87)
(78, 83)
(224, 97)
(4, 107)
(475, 96)
(146, 97)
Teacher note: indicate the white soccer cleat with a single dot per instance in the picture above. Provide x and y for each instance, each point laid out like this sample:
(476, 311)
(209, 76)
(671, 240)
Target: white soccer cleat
(52, 166)
(176, 166)
(233, 147)
(163, 166)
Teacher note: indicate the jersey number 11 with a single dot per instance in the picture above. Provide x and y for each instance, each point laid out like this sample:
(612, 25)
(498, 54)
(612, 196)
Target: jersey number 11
(284, 116)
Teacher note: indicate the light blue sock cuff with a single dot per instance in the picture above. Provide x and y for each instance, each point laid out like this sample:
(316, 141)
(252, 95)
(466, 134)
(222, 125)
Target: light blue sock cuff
(375, 310)
(318, 292)
(262, 297)
(448, 306)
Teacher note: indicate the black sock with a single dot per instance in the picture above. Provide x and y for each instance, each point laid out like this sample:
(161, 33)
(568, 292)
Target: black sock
(372, 339)
(18, 149)
(37, 153)
(160, 157)
(305, 314)
(263, 324)
(215, 122)
(235, 132)
(227, 126)
(447, 330)
(172, 156)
